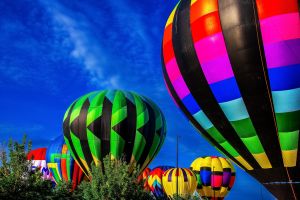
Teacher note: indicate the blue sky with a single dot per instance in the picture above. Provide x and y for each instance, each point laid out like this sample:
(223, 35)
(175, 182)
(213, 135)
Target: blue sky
(55, 51)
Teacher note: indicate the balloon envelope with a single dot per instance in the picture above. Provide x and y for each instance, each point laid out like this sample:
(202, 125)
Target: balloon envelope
(155, 181)
(233, 68)
(61, 163)
(144, 177)
(187, 182)
(215, 176)
(38, 159)
(115, 122)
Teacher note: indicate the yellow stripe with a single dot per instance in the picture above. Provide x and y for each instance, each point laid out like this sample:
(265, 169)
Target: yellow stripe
(289, 158)
(171, 17)
(193, 1)
(244, 162)
(262, 160)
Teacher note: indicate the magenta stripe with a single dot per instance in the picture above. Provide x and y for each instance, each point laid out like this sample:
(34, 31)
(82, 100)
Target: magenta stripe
(282, 53)
(180, 87)
(173, 69)
(210, 47)
(280, 27)
(218, 69)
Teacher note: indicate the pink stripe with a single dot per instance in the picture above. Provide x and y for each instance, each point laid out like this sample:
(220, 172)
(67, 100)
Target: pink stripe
(282, 53)
(172, 69)
(280, 27)
(217, 70)
(210, 47)
(180, 87)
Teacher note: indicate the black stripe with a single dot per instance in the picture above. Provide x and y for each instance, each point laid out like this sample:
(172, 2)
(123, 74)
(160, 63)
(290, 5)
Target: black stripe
(131, 130)
(217, 173)
(192, 119)
(105, 127)
(195, 79)
(82, 134)
(67, 134)
(205, 168)
(245, 50)
(226, 169)
(148, 131)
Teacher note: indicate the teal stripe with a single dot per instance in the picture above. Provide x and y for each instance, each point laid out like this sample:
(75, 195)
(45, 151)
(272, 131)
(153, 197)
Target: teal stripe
(235, 110)
(287, 100)
(203, 120)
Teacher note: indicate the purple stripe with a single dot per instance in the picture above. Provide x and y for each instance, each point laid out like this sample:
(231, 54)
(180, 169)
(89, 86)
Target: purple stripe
(217, 69)
(280, 27)
(180, 87)
(283, 53)
(212, 54)
(170, 175)
(184, 175)
(172, 69)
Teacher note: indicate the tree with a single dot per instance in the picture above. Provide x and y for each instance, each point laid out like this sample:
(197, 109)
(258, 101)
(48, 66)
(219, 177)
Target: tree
(112, 180)
(18, 181)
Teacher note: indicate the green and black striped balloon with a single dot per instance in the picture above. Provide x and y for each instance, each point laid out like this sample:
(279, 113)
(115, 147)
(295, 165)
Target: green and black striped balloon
(113, 122)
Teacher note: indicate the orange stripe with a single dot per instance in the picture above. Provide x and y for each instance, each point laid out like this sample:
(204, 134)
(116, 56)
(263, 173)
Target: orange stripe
(167, 34)
(201, 8)
(205, 26)
(275, 7)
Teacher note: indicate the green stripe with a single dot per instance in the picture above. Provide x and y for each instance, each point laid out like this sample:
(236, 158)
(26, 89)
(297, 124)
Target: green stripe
(77, 146)
(94, 144)
(229, 149)
(288, 122)
(77, 107)
(142, 119)
(68, 163)
(215, 134)
(119, 113)
(289, 140)
(95, 108)
(248, 135)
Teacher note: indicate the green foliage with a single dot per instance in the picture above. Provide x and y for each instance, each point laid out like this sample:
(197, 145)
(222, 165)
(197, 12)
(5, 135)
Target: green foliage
(18, 181)
(111, 180)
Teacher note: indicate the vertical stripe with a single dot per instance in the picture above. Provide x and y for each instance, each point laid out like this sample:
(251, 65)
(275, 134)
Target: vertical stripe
(192, 119)
(249, 67)
(105, 127)
(81, 132)
(68, 140)
(148, 133)
(131, 127)
(193, 75)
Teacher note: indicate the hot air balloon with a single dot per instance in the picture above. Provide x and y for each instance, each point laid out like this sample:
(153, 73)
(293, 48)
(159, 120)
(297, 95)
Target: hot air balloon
(233, 68)
(122, 124)
(38, 159)
(215, 176)
(61, 164)
(155, 181)
(185, 178)
(144, 177)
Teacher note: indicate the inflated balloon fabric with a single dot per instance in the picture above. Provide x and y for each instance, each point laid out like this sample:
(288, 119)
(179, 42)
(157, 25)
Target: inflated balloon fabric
(233, 68)
(155, 181)
(186, 180)
(122, 124)
(215, 176)
(61, 164)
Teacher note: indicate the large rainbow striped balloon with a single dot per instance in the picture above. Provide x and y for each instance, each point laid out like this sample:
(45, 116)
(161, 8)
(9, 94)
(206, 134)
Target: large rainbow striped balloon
(233, 68)
(215, 176)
